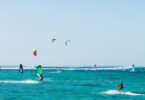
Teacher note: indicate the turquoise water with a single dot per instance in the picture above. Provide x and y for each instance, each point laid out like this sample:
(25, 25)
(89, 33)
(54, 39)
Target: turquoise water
(72, 85)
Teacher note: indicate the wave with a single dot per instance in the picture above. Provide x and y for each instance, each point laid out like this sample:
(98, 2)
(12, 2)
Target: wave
(119, 92)
(76, 68)
(23, 81)
(56, 72)
(70, 69)
(97, 69)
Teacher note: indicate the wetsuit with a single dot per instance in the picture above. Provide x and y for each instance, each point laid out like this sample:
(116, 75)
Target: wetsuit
(41, 77)
(121, 86)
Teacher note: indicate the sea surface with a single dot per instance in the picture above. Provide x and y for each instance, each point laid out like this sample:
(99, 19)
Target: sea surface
(72, 85)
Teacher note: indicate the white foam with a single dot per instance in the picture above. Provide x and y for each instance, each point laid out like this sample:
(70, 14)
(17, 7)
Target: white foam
(56, 72)
(23, 81)
(119, 92)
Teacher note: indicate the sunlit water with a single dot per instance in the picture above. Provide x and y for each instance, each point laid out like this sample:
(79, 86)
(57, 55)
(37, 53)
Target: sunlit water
(72, 85)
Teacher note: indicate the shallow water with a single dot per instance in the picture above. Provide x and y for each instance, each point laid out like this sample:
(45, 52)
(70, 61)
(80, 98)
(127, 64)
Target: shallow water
(72, 85)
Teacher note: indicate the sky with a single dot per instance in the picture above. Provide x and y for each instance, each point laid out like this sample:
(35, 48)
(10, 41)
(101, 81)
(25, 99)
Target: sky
(102, 32)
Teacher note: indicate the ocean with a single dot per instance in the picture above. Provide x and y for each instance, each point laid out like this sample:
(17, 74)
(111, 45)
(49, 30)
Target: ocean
(72, 85)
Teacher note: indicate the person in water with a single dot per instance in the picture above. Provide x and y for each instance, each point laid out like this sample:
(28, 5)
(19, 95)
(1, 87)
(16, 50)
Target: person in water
(41, 77)
(121, 86)
(39, 72)
(21, 68)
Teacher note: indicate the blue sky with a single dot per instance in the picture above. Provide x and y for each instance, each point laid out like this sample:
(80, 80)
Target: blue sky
(103, 32)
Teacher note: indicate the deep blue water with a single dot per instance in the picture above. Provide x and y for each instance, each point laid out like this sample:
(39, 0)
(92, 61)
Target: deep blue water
(72, 85)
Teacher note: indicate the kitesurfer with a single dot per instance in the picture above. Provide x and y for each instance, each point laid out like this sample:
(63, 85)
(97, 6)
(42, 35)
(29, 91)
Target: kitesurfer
(121, 86)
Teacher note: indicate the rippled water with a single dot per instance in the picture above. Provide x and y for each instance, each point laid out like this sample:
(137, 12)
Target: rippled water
(72, 85)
